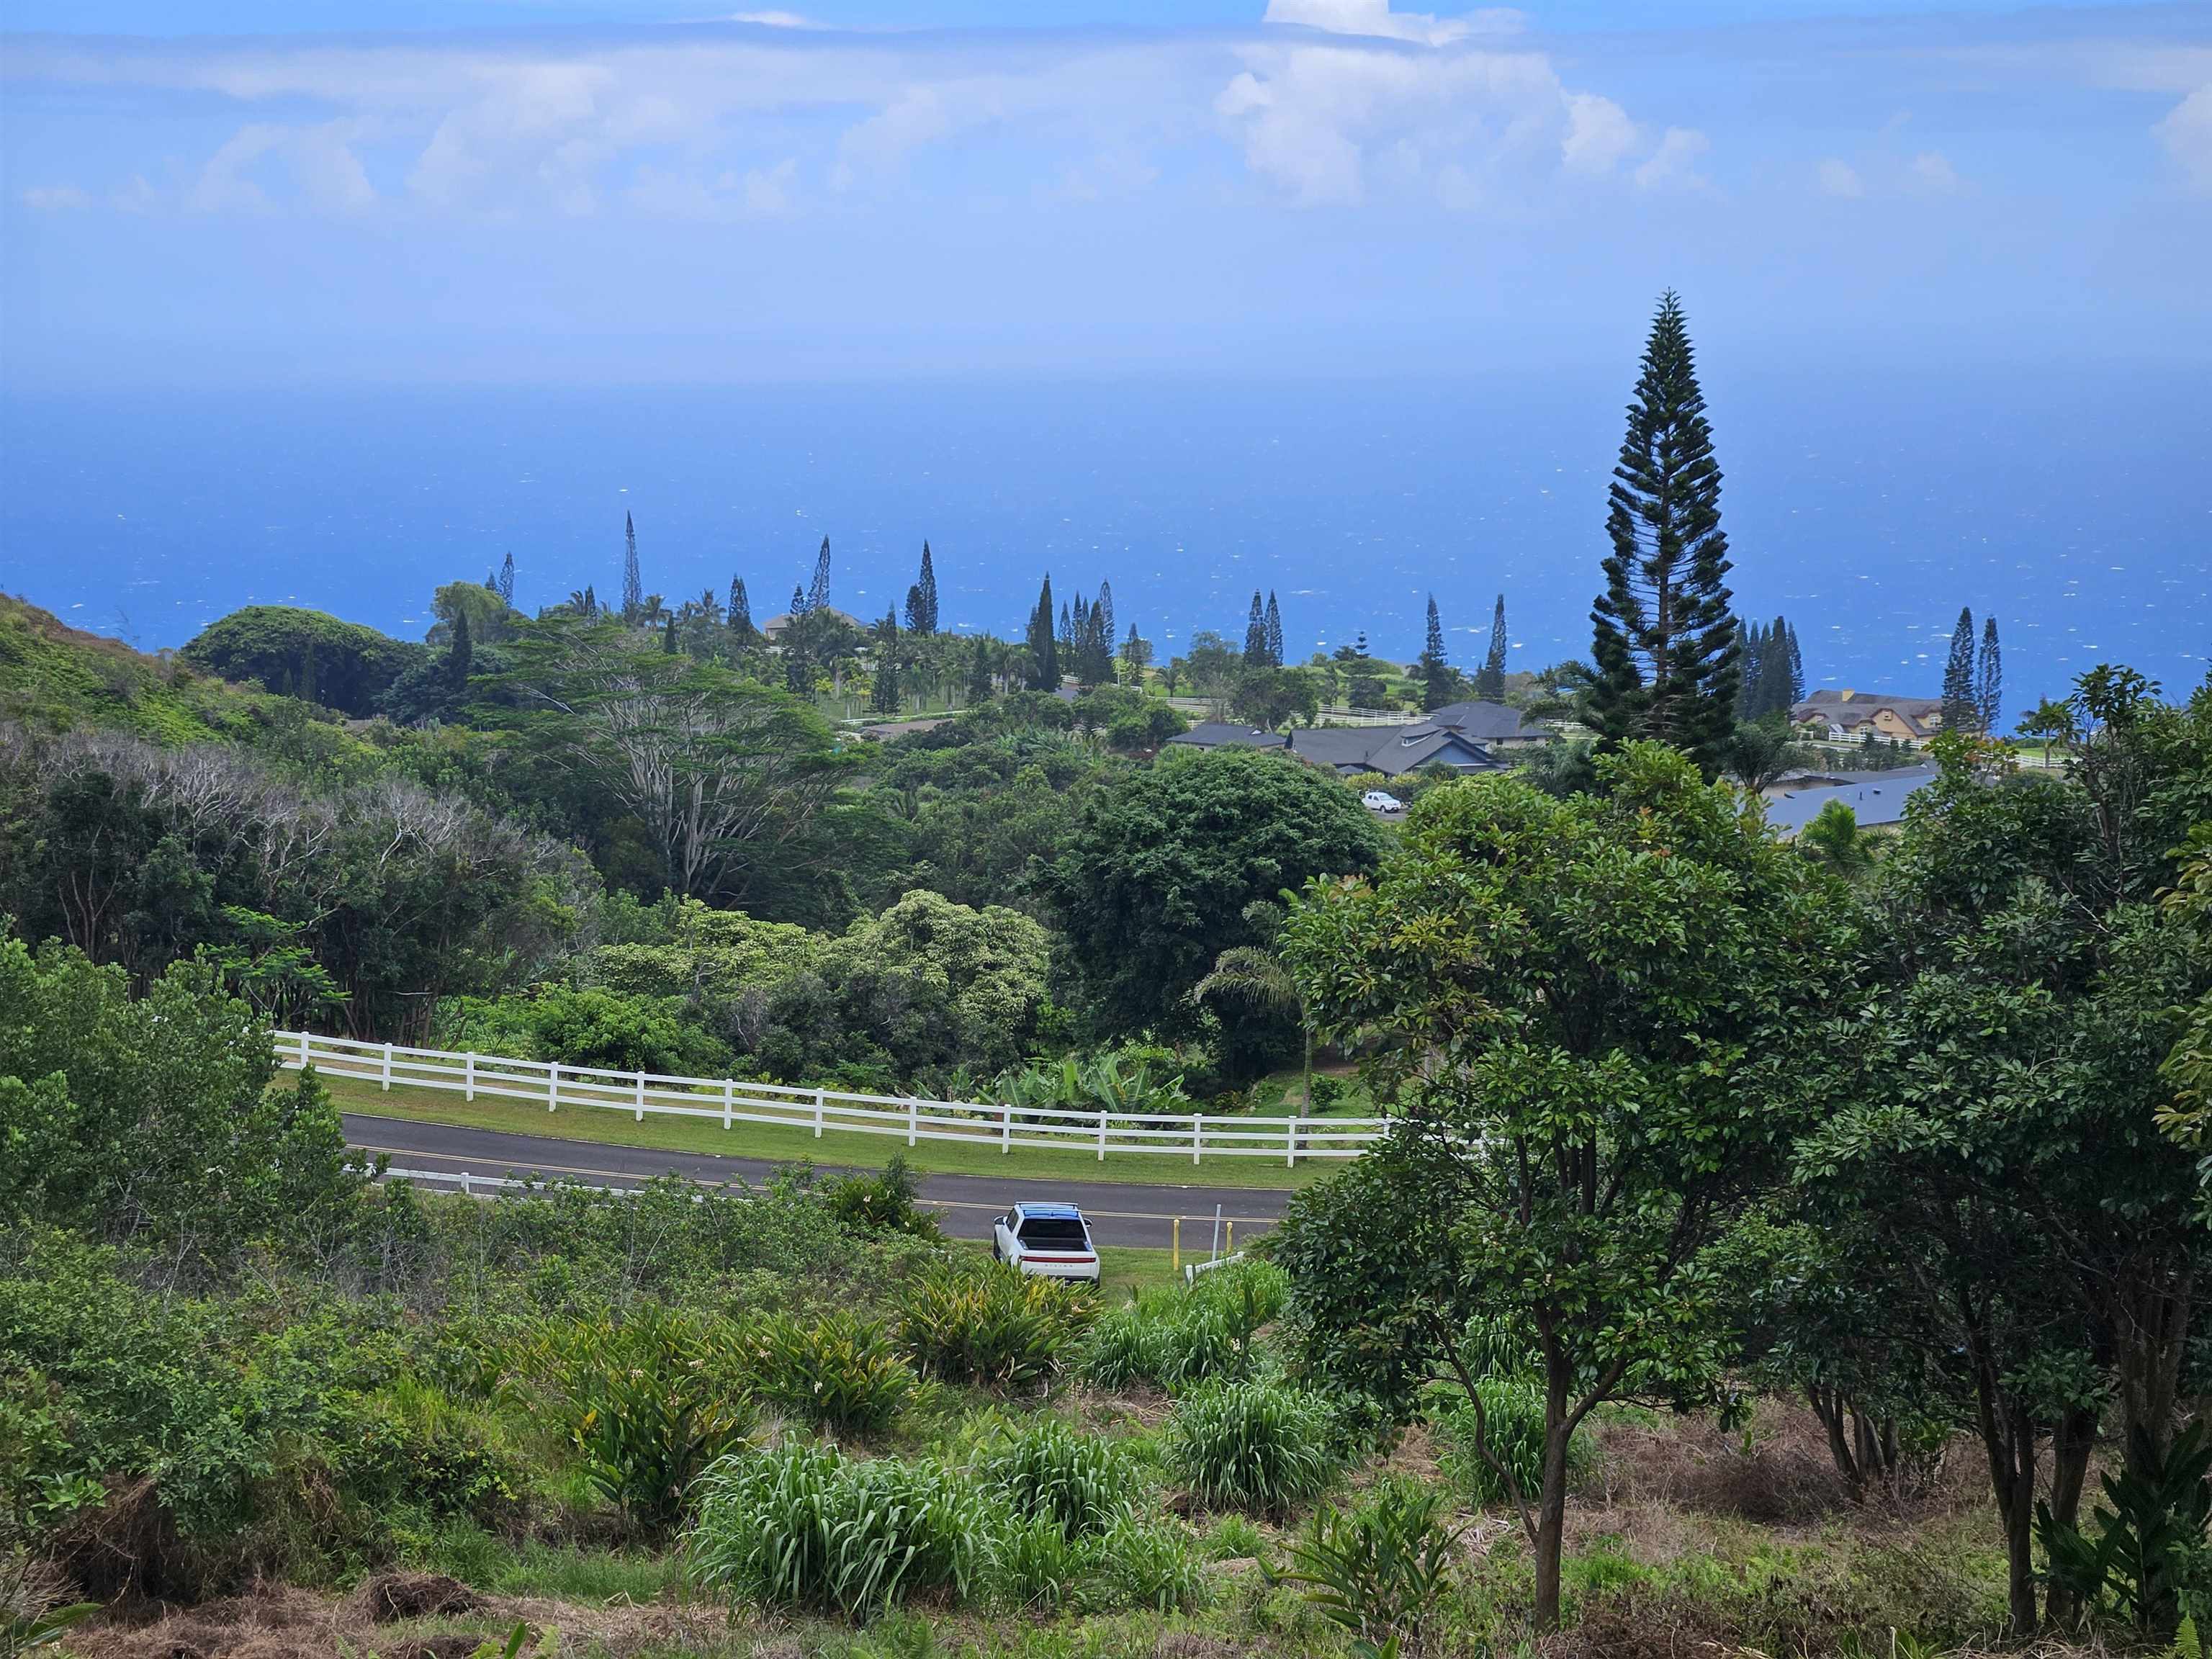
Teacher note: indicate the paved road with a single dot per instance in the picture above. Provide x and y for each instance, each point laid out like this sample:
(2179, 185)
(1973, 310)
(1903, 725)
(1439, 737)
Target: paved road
(1121, 1212)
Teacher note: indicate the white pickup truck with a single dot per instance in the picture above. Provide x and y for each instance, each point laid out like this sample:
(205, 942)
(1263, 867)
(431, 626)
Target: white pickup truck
(1051, 1241)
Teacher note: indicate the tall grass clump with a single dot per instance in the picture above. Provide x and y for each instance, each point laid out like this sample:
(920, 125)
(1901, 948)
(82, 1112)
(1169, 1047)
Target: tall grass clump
(1177, 1338)
(838, 1372)
(1048, 1472)
(1511, 1427)
(803, 1527)
(1259, 1447)
(989, 1324)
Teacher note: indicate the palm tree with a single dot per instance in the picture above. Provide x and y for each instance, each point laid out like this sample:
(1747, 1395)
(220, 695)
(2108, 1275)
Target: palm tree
(1252, 977)
(1834, 838)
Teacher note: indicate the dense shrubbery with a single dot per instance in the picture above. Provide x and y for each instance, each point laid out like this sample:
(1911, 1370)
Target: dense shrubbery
(990, 1325)
(1173, 1338)
(840, 1372)
(1257, 1446)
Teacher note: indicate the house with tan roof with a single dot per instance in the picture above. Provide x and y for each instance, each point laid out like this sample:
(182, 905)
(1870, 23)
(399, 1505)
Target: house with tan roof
(1848, 717)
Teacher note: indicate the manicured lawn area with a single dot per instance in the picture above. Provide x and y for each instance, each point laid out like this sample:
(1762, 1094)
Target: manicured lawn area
(615, 1127)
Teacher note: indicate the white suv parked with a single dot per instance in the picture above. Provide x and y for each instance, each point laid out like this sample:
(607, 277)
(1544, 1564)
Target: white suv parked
(1382, 801)
(1051, 1241)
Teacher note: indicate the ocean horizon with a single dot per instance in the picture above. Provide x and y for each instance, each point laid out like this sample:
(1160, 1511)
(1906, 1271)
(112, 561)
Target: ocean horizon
(2077, 508)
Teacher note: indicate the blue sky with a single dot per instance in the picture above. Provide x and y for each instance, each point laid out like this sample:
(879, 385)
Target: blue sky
(587, 191)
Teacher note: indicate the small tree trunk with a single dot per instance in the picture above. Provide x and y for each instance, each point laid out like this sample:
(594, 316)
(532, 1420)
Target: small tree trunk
(2020, 1523)
(1552, 1503)
(2070, 1445)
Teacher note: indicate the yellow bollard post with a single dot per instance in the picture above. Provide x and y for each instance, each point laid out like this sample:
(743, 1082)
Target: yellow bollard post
(1175, 1245)
(1229, 1244)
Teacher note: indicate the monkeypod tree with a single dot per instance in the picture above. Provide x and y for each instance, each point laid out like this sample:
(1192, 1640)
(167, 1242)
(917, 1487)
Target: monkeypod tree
(1569, 994)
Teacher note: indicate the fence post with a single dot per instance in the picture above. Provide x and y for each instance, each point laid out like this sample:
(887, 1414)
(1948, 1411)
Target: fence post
(466, 1193)
(553, 1086)
(303, 1049)
(469, 1074)
(913, 1107)
(728, 1089)
(1197, 1134)
(1175, 1245)
(387, 1068)
(640, 1096)
(1102, 1137)
(1290, 1154)
(1005, 1130)
(817, 1114)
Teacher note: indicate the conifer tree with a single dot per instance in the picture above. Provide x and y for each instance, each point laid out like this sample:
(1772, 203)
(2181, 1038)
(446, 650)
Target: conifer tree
(505, 589)
(818, 591)
(1065, 639)
(668, 637)
(1751, 657)
(798, 665)
(1988, 679)
(741, 612)
(979, 671)
(1436, 672)
(1274, 632)
(1796, 670)
(1959, 711)
(1665, 643)
(1775, 689)
(1490, 680)
(1255, 634)
(913, 609)
(885, 697)
(1106, 616)
(1043, 647)
(591, 603)
(633, 581)
(797, 601)
(926, 587)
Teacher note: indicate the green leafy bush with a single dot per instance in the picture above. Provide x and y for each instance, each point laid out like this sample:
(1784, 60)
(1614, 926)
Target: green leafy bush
(1081, 1483)
(992, 1325)
(1253, 1446)
(1033, 1563)
(416, 1446)
(885, 1202)
(838, 1372)
(804, 1527)
(1381, 1570)
(650, 1404)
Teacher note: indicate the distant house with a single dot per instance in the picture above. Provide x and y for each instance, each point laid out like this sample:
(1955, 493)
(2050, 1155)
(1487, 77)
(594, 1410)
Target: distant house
(775, 625)
(1393, 750)
(1493, 725)
(1848, 717)
(1875, 798)
(1227, 734)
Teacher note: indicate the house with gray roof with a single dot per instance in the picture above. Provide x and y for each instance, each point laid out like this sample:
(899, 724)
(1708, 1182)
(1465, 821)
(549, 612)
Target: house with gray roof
(1492, 725)
(1393, 750)
(1876, 798)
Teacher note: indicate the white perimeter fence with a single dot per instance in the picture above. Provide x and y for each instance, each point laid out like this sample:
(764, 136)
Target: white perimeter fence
(821, 1111)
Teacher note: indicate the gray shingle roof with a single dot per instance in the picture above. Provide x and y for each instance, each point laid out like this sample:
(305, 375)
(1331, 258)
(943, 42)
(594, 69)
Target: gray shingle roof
(1223, 734)
(1483, 721)
(1392, 751)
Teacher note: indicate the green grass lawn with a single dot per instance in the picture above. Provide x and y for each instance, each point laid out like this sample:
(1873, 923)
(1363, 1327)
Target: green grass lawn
(678, 1134)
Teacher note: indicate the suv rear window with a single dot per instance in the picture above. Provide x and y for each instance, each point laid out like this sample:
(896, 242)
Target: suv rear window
(1053, 1233)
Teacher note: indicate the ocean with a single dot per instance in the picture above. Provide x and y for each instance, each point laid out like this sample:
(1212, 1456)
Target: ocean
(2075, 506)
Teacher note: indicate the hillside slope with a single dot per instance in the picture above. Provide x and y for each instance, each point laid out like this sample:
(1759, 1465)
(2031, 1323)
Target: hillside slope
(54, 677)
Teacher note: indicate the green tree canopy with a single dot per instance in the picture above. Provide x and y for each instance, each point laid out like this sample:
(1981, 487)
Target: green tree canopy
(1571, 992)
(306, 654)
(1154, 883)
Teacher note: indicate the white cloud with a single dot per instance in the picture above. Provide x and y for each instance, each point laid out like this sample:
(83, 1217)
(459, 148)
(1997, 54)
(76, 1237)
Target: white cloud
(1839, 177)
(767, 190)
(2186, 133)
(137, 197)
(1931, 173)
(775, 20)
(1456, 122)
(1375, 19)
(1599, 135)
(879, 145)
(55, 198)
(1673, 165)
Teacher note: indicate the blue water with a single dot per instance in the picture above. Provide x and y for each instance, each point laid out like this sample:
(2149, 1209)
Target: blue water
(2076, 506)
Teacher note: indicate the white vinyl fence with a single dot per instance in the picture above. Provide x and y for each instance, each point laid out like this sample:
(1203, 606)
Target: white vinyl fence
(558, 1087)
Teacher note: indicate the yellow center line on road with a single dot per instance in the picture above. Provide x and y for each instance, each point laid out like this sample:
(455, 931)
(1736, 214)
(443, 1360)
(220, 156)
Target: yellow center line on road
(933, 1203)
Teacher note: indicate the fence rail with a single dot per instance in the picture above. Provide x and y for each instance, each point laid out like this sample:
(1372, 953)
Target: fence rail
(729, 1102)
